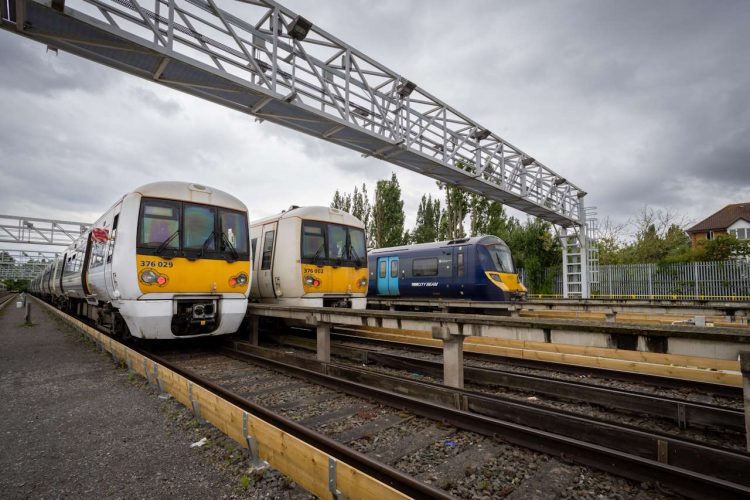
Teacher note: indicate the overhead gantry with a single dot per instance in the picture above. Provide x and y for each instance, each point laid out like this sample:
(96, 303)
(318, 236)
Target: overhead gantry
(264, 60)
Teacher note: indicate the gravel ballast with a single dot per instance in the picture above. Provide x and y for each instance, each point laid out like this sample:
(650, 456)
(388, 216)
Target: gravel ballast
(75, 425)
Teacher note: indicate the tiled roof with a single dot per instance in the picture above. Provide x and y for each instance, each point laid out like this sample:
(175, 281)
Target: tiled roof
(723, 218)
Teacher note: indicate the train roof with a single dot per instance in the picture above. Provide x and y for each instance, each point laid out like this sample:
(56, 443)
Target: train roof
(476, 240)
(188, 191)
(317, 213)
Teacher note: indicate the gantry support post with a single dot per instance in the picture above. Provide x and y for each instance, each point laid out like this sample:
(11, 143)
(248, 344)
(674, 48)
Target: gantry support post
(745, 368)
(453, 356)
(583, 236)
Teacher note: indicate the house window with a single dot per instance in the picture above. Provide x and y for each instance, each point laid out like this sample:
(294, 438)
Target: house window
(710, 235)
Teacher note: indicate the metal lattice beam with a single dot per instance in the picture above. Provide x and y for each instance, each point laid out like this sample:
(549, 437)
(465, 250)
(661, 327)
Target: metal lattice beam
(24, 264)
(36, 231)
(278, 66)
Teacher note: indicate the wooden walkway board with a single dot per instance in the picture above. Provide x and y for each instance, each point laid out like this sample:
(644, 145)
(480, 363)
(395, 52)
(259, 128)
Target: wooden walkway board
(666, 365)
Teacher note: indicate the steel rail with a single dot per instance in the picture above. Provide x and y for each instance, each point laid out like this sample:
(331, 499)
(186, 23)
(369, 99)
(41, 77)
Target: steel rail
(554, 432)
(683, 413)
(656, 380)
(384, 473)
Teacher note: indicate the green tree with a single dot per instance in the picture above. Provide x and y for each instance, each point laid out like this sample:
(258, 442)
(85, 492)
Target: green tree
(535, 248)
(428, 221)
(388, 214)
(361, 208)
(454, 213)
(722, 247)
(357, 204)
(342, 201)
(489, 217)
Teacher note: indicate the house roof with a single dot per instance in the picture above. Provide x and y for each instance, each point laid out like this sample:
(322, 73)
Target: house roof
(723, 218)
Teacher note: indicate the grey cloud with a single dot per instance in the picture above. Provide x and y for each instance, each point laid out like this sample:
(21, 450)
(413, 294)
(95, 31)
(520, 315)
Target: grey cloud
(636, 102)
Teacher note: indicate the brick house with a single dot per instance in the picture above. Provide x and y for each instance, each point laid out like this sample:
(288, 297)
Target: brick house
(732, 219)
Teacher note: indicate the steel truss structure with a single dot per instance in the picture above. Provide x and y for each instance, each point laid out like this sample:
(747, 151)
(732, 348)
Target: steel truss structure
(269, 62)
(35, 231)
(24, 264)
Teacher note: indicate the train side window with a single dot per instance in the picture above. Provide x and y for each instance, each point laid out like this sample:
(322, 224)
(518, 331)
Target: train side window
(394, 269)
(267, 250)
(460, 263)
(424, 267)
(383, 267)
(253, 244)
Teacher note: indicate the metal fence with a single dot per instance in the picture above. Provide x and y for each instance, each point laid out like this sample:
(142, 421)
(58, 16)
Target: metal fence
(723, 280)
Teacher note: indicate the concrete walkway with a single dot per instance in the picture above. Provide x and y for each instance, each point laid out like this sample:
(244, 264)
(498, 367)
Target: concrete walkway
(73, 425)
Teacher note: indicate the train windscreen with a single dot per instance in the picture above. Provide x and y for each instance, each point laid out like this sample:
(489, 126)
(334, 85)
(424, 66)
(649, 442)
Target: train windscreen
(173, 228)
(500, 258)
(333, 244)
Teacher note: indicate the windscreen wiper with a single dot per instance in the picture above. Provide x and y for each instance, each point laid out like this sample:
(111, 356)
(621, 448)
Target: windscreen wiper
(225, 239)
(208, 240)
(166, 242)
(357, 258)
(315, 257)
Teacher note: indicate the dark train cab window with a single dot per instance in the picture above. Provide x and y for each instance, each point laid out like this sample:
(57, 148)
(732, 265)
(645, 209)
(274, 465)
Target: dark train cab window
(383, 266)
(233, 225)
(267, 250)
(394, 269)
(313, 241)
(199, 233)
(160, 220)
(424, 267)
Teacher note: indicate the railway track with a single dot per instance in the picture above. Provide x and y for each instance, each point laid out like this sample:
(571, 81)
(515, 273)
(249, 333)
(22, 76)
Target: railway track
(690, 468)
(449, 450)
(681, 412)
(715, 390)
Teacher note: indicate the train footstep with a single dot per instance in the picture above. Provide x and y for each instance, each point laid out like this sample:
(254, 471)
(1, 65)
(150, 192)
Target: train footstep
(200, 443)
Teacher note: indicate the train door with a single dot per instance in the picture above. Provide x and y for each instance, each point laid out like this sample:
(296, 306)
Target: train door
(459, 271)
(109, 281)
(388, 268)
(85, 268)
(265, 274)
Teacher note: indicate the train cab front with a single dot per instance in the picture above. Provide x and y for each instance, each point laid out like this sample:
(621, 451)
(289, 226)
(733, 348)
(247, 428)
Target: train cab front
(496, 263)
(193, 270)
(333, 265)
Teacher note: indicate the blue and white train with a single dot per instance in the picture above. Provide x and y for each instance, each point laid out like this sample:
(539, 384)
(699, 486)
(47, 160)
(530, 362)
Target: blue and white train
(479, 268)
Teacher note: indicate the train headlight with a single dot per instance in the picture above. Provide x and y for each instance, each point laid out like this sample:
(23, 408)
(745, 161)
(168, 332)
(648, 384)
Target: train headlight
(309, 280)
(362, 283)
(242, 279)
(495, 276)
(148, 276)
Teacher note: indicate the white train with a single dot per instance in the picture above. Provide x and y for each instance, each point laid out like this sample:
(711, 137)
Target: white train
(168, 260)
(310, 256)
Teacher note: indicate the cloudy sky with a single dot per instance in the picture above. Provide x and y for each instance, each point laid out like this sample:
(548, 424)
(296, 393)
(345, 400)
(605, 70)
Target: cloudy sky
(638, 103)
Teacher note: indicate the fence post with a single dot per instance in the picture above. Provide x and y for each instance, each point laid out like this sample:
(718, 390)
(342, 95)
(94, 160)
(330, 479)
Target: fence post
(695, 277)
(650, 283)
